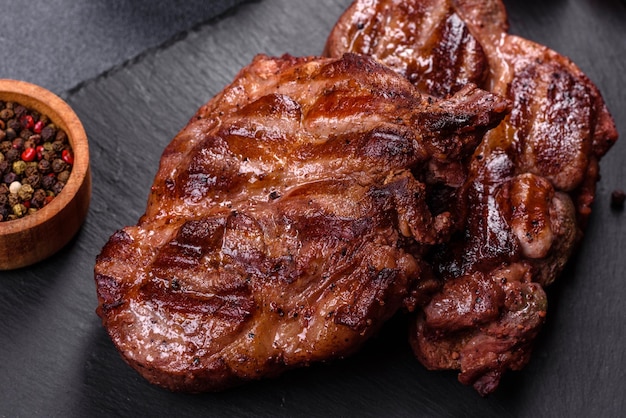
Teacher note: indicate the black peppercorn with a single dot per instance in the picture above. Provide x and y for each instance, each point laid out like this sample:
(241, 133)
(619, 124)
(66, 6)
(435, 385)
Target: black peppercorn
(64, 176)
(57, 146)
(39, 198)
(10, 134)
(14, 125)
(18, 143)
(34, 180)
(48, 133)
(48, 155)
(10, 178)
(12, 155)
(20, 111)
(4, 213)
(58, 186)
(36, 139)
(58, 165)
(47, 182)
(61, 136)
(31, 169)
(44, 166)
(6, 114)
(26, 133)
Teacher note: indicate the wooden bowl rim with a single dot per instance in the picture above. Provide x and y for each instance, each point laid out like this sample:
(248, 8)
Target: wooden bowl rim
(61, 114)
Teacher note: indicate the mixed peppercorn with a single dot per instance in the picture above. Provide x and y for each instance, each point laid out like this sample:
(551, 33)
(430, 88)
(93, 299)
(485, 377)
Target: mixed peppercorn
(35, 160)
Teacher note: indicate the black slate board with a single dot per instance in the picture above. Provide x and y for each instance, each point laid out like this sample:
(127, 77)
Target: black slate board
(56, 360)
(58, 44)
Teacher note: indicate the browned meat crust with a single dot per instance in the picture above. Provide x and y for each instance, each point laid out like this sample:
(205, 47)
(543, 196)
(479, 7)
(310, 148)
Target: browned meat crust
(287, 221)
(426, 41)
(531, 181)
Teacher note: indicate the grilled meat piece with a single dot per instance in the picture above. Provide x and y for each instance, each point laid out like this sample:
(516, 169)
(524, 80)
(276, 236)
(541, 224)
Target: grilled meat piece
(531, 182)
(426, 41)
(286, 222)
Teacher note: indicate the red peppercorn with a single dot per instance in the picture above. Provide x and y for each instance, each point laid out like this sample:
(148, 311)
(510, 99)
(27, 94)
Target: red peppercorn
(29, 154)
(67, 156)
(38, 127)
(39, 150)
(27, 122)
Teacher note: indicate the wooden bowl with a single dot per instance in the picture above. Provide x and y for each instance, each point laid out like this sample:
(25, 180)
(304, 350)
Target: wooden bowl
(34, 237)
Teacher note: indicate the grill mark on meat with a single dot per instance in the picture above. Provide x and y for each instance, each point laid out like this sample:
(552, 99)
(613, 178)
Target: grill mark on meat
(425, 41)
(234, 306)
(456, 59)
(359, 313)
(552, 115)
(213, 168)
(193, 241)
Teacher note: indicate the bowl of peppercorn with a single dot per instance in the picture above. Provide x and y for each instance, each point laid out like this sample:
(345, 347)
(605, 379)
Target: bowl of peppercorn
(45, 177)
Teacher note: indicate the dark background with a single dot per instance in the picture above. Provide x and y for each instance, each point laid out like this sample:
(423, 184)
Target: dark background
(134, 72)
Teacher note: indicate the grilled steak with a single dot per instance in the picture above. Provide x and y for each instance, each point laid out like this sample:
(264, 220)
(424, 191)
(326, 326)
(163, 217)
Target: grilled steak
(287, 221)
(531, 181)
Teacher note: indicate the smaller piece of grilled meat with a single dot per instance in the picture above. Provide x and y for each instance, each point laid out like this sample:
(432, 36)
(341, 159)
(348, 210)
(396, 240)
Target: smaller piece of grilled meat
(531, 181)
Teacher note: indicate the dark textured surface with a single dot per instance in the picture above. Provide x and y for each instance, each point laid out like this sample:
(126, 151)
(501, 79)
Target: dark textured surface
(56, 360)
(59, 43)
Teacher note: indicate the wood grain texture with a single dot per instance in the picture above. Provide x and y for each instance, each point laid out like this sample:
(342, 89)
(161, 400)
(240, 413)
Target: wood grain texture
(57, 360)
